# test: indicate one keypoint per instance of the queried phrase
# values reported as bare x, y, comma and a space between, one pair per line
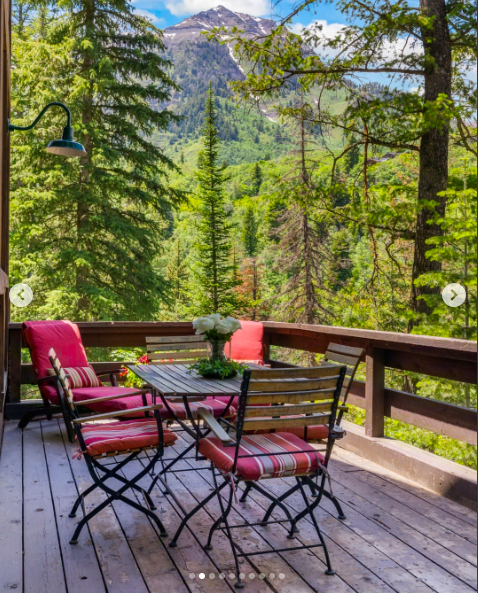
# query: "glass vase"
216, 350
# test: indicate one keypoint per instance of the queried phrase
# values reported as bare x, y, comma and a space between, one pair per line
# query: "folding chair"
183, 350
299, 398
64, 337
114, 439
336, 353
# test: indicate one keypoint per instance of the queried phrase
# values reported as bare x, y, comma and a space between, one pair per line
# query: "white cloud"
327, 31
187, 7
156, 20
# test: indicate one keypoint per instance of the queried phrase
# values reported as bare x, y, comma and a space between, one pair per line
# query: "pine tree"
257, 179
250, 241
99, 219
215, 267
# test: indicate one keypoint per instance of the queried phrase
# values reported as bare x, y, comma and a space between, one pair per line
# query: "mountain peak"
191, 28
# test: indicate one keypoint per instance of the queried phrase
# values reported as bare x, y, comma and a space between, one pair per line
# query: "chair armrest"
44, 379
112, 372
116, 414
107, 398
338, 432
216, 428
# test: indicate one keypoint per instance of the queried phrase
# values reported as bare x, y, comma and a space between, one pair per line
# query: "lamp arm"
11, 127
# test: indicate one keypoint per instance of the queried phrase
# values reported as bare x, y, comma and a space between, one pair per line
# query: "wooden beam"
15, 374
374, 393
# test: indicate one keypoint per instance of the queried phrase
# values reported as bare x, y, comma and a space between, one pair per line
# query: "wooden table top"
177, 380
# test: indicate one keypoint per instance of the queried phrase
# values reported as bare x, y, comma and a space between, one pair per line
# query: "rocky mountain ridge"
191, 29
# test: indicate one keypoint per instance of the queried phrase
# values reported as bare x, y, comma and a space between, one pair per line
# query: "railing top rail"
433, 345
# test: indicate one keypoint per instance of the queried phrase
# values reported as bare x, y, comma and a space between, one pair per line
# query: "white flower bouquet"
218, 331
216, 328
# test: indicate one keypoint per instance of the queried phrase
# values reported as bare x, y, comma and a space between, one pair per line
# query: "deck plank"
387, 536
82, 570
417, 527
444, 505
398, 537
371, 474
43, 565
11, 510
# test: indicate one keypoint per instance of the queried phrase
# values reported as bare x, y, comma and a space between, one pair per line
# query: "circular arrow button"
454, 295
21, 295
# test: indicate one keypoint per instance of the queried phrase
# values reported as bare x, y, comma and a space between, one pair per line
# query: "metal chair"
112, 440
299, 398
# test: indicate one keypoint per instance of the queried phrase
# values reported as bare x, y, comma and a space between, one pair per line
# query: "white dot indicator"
202, 575
282, 576
212, 576
192, 575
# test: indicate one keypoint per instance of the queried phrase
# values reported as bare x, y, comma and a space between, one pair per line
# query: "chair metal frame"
99, 472
232, 480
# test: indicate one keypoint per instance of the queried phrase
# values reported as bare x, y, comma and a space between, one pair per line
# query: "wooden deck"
397, 536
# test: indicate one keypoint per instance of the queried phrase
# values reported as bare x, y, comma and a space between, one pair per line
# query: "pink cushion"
296, 456
123, 436
64, 337
247, 344
113, 405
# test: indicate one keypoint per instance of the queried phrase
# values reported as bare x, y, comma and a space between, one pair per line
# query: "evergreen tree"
98, 219
215, 266
257, 179
250, 239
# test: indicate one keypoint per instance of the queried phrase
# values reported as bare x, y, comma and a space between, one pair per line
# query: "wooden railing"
436, 357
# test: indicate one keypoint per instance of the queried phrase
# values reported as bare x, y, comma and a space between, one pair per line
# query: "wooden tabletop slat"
177, 380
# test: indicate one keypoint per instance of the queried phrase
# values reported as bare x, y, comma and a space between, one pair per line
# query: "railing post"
375, 393
15, 364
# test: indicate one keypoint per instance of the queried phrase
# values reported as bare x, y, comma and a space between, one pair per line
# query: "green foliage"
250, 239
220, 369
85, 232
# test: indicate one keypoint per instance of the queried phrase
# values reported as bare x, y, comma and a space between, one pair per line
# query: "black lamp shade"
66, 148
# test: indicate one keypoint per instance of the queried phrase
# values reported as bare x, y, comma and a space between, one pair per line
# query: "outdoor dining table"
176, 383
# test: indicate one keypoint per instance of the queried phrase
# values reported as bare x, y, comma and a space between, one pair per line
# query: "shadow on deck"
397, 537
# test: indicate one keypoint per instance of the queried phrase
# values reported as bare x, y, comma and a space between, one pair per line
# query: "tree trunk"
433, 176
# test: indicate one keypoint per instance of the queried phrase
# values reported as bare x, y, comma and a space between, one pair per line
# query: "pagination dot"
202, 575
282, 575
212, 576
192, 575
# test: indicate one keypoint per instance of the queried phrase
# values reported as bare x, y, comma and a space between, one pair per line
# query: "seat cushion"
117, 437
64, 337
295, 456
214, 407
114, 405
224, 399
247, 344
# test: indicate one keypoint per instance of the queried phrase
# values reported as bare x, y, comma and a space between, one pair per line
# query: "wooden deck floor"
397, 536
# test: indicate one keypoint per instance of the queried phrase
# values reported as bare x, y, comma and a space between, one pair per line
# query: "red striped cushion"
82, 377
296, 456
123, 436
213, 406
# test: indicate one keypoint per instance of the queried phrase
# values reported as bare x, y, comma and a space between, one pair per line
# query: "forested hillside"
338, 209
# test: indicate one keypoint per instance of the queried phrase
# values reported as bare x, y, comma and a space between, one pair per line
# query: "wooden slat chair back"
298, 397
113, 439
175, 350
350, 356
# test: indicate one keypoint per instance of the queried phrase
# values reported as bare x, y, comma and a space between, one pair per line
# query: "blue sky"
165, 13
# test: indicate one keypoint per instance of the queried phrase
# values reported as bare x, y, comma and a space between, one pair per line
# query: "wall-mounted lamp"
64, 147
